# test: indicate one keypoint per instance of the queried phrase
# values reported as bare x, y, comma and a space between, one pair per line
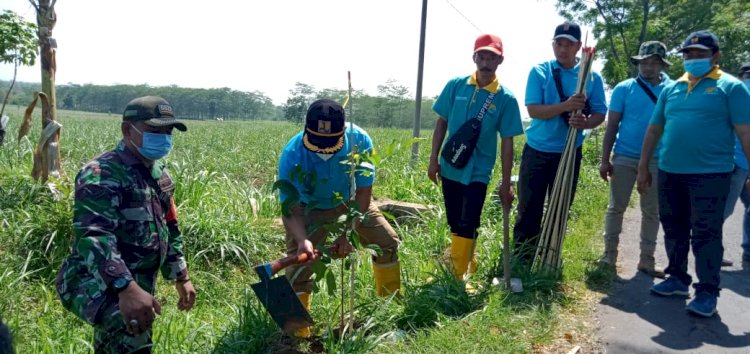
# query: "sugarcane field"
564, 177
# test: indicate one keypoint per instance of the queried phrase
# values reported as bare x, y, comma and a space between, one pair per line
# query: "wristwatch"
121, 283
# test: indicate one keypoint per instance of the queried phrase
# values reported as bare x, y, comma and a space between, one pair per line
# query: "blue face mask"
747, 82
155, 146
697, 67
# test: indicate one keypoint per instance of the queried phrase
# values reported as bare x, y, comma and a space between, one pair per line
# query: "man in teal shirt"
630, 109
695, 119
315, 163
465, 188
550, 111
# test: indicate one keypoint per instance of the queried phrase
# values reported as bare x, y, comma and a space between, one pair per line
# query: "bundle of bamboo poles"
548, 253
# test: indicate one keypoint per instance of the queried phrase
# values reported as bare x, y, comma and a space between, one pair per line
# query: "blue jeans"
737, 190
535, 181
691, 210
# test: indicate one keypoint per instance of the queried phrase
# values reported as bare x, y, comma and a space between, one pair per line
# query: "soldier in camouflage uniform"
125, 226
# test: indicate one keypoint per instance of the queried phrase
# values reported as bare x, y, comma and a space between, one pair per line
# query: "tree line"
393, 106
620, 26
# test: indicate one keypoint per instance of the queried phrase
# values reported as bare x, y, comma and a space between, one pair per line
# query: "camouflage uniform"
125, 223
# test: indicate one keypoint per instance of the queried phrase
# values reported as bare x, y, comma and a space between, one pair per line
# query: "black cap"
568, 30
153, 111
745, 68
702, 40
324, 127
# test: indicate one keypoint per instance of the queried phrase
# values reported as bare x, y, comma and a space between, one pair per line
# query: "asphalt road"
631, 320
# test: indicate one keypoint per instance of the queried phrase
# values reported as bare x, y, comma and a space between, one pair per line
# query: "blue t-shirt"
461, 100
739, 155
699, 123
325, 184
549, 135
636, 107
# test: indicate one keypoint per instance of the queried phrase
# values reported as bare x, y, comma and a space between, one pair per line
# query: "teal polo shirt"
629, 99
549, 135
699, 122
325, 184
461, 100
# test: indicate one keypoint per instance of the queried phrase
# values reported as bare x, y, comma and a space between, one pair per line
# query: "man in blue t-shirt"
738, 187
315, 162
550, 109
464, 188
695, 120
630, 109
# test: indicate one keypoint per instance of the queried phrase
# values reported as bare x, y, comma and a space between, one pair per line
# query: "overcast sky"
267, 46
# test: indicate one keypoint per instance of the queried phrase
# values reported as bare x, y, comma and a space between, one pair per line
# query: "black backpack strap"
558, 84
646, 89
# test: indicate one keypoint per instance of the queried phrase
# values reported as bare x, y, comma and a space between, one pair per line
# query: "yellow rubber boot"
461, 253
473, 263
387, 278
304, 298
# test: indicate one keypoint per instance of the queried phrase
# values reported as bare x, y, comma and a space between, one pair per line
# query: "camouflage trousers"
373, 230
102, 311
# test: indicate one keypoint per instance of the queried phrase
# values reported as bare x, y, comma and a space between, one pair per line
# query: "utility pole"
420, 70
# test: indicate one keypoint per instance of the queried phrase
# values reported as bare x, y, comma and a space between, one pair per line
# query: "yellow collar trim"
493, 86
330, 150
714, 74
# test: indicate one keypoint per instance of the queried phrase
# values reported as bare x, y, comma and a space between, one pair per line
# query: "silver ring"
133, 322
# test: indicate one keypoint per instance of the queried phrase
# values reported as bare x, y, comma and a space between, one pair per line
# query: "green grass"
224, 172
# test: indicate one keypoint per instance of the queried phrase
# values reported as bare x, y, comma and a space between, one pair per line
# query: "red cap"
489, 42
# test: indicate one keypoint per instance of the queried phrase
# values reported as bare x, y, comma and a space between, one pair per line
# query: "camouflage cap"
649, 49
153, 111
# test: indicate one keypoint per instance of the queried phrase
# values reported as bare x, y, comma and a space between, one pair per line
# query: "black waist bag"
461, 144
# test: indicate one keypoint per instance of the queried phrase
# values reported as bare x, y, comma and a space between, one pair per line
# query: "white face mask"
325, 157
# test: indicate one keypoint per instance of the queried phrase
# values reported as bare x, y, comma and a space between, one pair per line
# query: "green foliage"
225, 172
252, 333
620, 26
18, 44
300, 97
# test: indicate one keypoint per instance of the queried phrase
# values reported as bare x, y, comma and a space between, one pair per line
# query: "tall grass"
224, 172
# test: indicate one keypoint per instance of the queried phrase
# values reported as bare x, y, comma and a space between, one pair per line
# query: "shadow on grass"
599, 277
442, 295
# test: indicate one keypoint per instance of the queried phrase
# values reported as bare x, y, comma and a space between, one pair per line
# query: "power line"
464, 16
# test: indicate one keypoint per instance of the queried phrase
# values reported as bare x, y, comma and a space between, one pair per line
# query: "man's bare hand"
187, 295
643, 180
306, 247
578, 121
433, 171
575, 102
506, 195
605, 170
341, 247
137, 304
